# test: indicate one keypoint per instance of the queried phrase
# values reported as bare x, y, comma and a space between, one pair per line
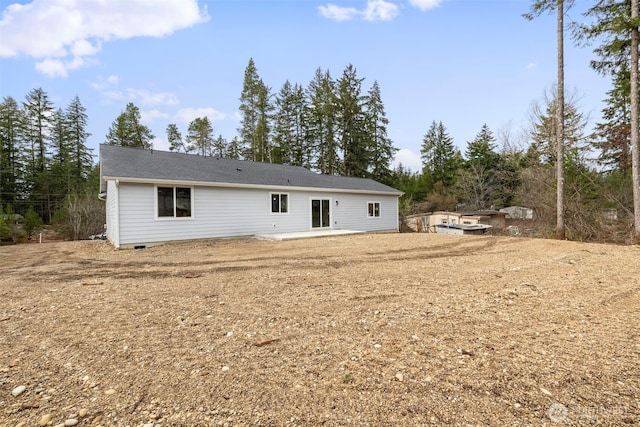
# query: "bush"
32, 222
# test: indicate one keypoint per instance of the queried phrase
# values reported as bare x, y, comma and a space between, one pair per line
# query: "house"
156, 196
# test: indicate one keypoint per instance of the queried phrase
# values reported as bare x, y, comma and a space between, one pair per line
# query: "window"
174, 202
374, 209
279, 203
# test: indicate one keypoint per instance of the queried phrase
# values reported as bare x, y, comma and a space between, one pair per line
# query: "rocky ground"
362, 330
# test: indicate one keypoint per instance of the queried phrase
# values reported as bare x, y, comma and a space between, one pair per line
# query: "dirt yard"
362, 330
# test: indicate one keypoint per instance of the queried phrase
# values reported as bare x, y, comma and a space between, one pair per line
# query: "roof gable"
136, 164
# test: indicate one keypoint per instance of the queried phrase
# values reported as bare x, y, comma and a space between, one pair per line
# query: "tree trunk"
560, 234
635, 134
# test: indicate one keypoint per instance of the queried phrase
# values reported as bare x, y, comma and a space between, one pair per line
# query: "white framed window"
174, 202
279, 203
373, 209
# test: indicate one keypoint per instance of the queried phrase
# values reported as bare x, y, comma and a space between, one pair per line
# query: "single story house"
157, 196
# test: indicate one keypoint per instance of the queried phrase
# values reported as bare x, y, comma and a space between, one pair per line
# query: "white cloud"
145, 97
425, 4
531, 65
408, 159
338, 13
59, 68
380, 10
148, 116
103, 84
187, 115
375, 10
63, 33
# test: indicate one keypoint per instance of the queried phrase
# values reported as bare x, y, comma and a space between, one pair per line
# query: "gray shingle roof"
153, 165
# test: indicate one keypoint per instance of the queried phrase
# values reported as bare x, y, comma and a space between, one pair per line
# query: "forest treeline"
339, 126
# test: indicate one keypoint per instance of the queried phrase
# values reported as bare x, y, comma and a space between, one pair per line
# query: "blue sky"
462, 62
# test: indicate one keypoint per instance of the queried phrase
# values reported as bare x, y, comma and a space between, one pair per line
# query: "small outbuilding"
157, 196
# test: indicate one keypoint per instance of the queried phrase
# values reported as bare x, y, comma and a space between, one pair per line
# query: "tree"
38, 120
321, 122
635, 118
220, 147
382, 149
538, 7
234, 149
32, 222
79, 156
127, 131
289, 129
255, 107
11, 152
351, 126
200, 136
440, 158
615, 26
477, 181
612, 137
175, 139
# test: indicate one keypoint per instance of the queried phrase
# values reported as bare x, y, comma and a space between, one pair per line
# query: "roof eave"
247, 186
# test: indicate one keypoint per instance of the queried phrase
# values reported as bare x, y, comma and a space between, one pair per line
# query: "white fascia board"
247, 186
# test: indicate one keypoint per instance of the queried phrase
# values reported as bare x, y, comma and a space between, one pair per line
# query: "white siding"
351, 212
223, 212
113, 226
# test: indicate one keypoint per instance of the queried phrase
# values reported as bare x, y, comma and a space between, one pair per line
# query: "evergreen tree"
32, 222
59, 181
38, 114
440, 159
477, 180
200, 136
615, 26
80, 156
127, 131
543, 132
175, 139
382, 149
321, 123
290, 126
351, 126
262, 139
234, 149
11, 152
249, 100
612, 137
220, 147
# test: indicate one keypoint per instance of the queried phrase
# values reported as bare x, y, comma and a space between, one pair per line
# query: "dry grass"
387, 329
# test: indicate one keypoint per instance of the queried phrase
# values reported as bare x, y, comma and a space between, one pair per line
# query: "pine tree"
477, 180
249, 100
220, 147
321, 123
615, 26
174, 136
612, 137
80, 156
440, 159
200, 136
38, 115
127, 131
382, 149
351, 124
11, 152
290, 126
